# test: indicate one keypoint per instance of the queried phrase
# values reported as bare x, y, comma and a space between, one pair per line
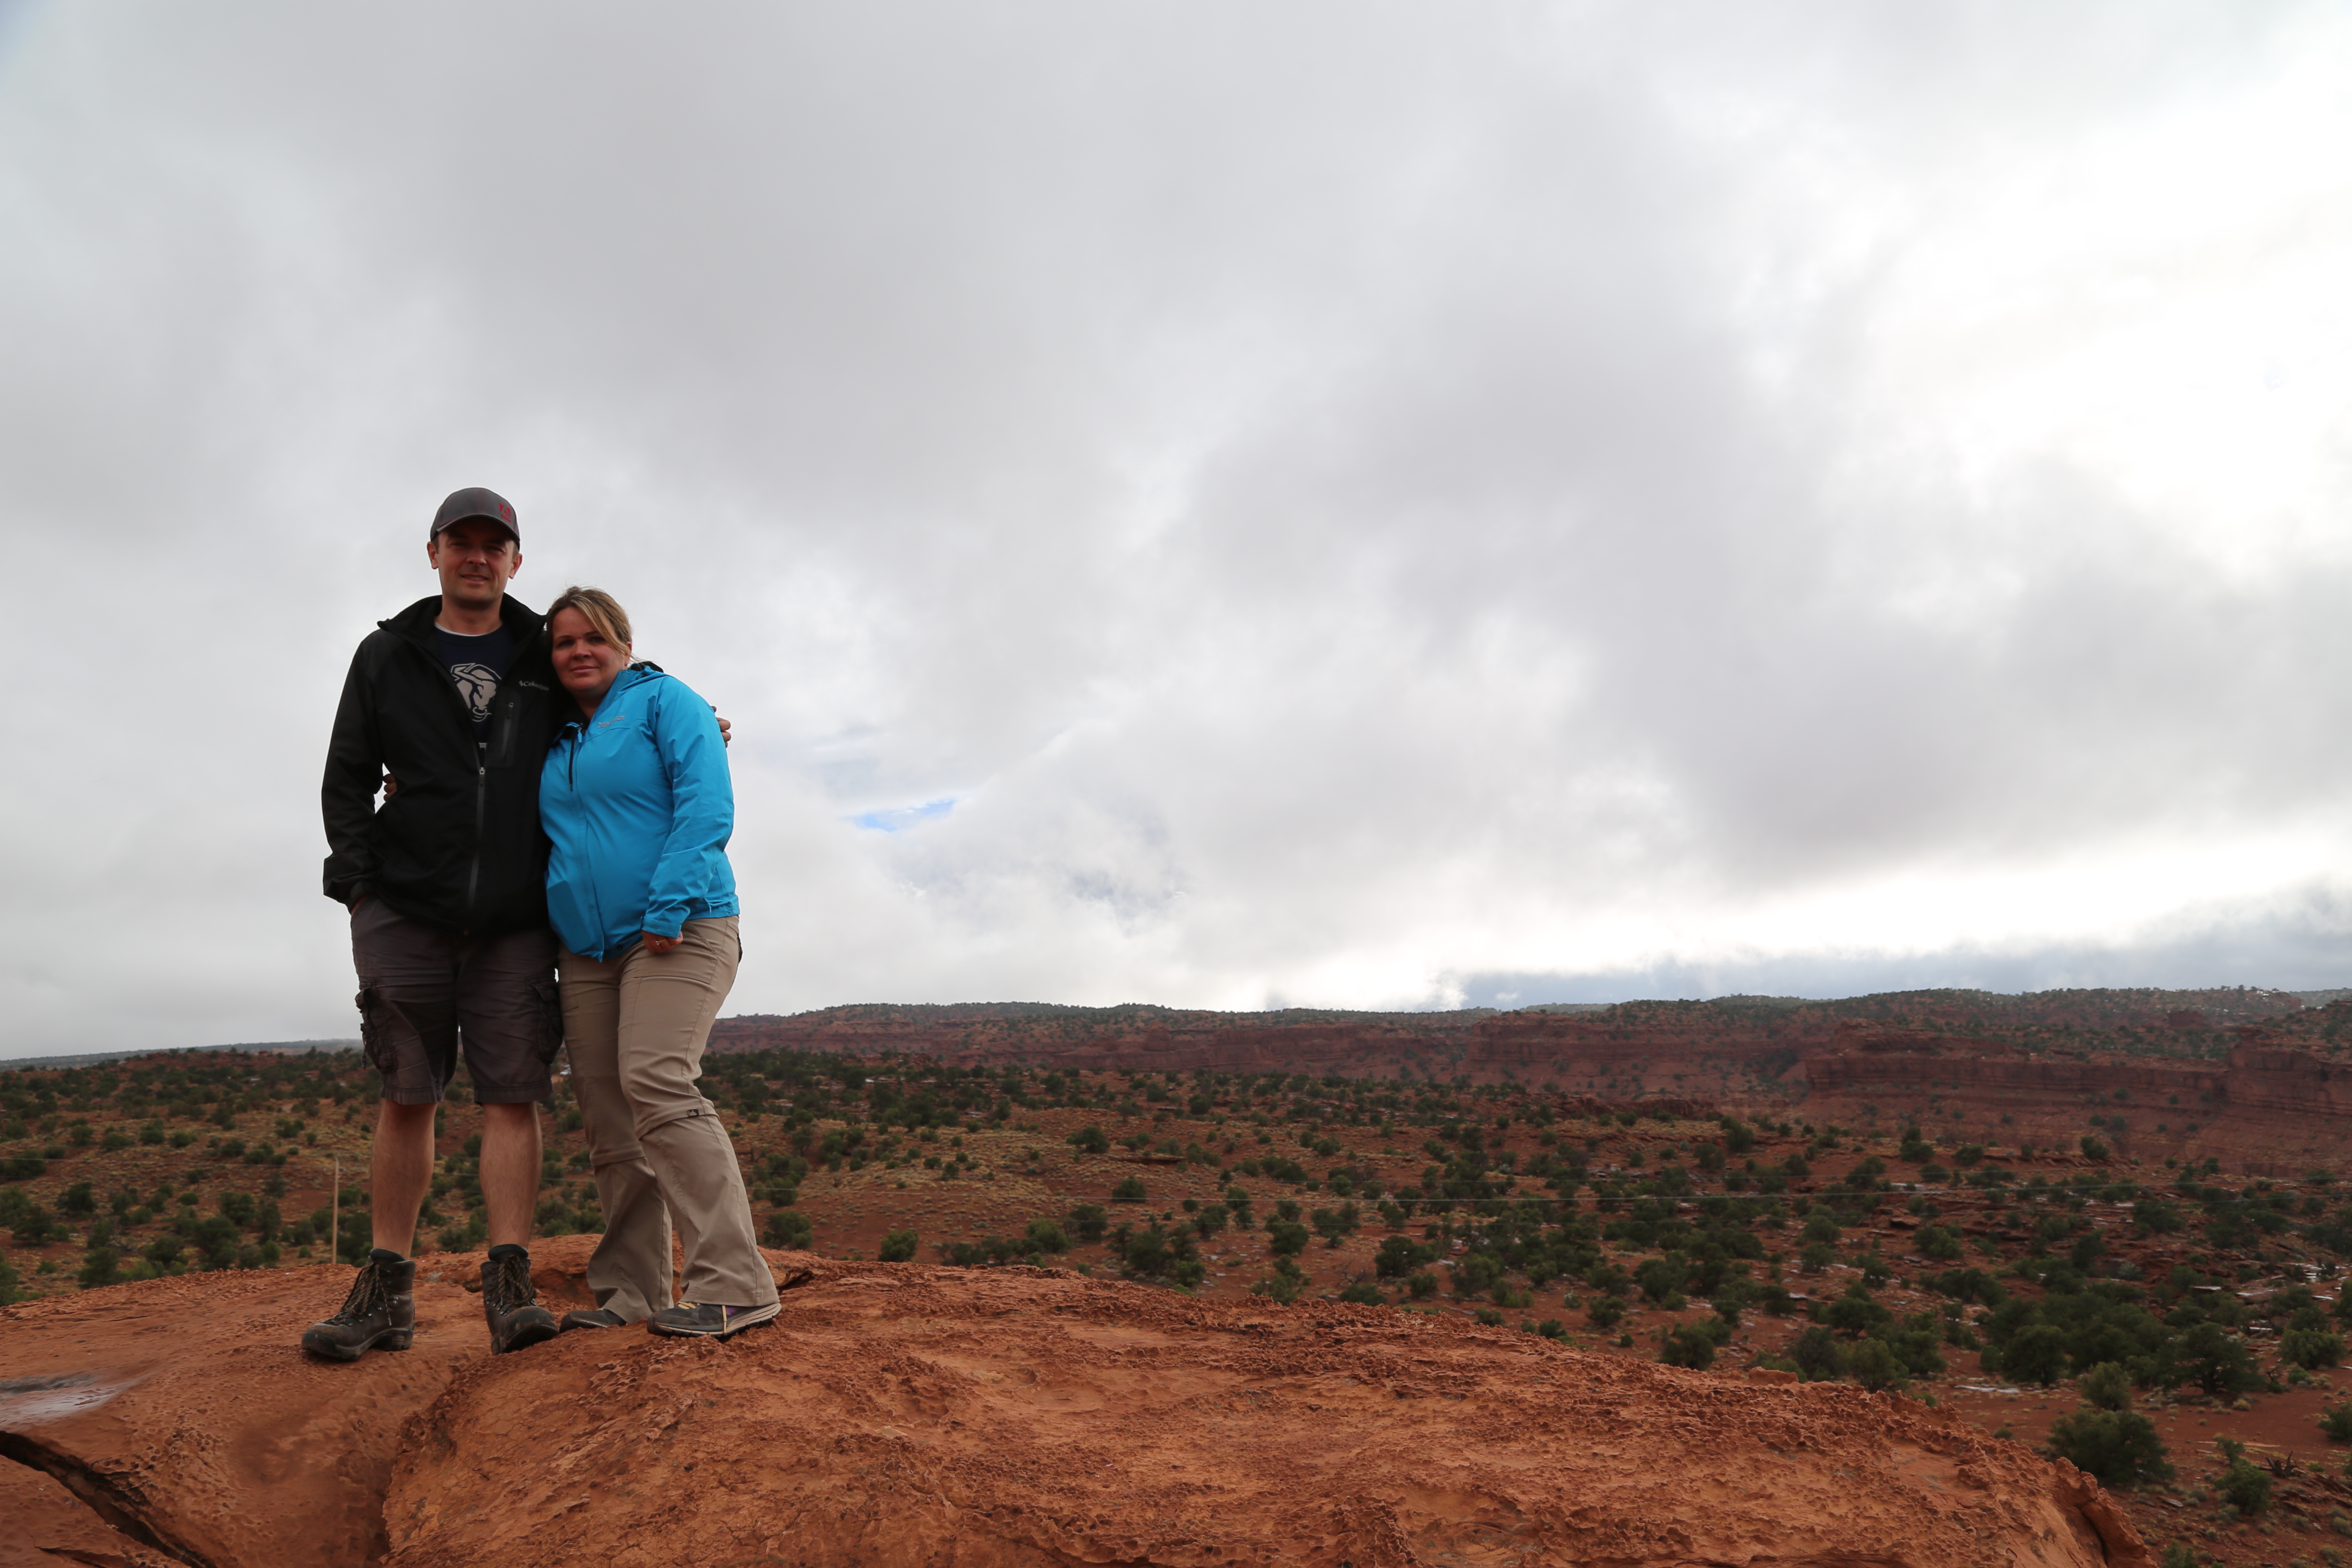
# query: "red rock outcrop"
906, 1414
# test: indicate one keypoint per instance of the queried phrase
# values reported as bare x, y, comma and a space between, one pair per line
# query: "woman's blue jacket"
637, 808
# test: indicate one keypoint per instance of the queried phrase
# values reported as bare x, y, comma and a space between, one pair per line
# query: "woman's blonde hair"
604, 612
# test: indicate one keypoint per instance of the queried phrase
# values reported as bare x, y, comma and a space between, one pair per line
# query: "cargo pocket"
549, 994
373, 1043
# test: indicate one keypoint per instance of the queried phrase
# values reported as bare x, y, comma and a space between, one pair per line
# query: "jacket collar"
636, 675
415, 624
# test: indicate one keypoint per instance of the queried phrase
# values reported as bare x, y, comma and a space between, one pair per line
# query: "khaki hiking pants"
635, 1026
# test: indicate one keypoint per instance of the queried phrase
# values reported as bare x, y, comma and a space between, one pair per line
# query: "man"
454, 700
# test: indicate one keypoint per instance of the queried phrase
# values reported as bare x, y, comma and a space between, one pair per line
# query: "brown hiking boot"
379, 1314
508, 1301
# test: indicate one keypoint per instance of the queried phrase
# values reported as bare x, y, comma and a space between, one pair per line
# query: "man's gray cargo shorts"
424, 993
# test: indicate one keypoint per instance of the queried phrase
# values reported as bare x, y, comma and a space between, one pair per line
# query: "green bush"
1939, 1243
1044, 1236
2336, 1422
1129, 1191
1087, 1223
2311, 1349
898, 1247
1090, 1140
1286, 1237
790, 1228
2243, 1486
2036, 1353
1689, 1345
1605, 1311
2107, 1386
1875, 1365
1363, 1292
1818, 1355
2120, 1447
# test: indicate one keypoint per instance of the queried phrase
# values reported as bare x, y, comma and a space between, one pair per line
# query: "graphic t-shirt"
477, 664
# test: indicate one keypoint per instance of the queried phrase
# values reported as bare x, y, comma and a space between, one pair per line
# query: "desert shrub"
1688, 1345
1854, 1313
2216, 1359
1090, 1140
2336, 1422
23, 1168
1129, 1191
1939, 1243
1044, 1236
100, 1266
1874, 1367
1286, 1237
1967, 1285
2107, 1386
1283, 1285
790, 1228
1553, 1329
1211, 1219
78, 1202
2311, 1349
898, 1247
1818, 1356
1364, 1293
1399, 1256
1088, 1222
2243, 1486
1658, 1277
2035, 1353
1816, 1258
1423, 1285
1605, 1311
2120, 1447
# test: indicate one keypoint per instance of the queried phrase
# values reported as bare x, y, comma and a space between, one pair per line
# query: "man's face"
475, 559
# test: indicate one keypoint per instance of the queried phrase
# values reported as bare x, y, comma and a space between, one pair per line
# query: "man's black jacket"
458, 846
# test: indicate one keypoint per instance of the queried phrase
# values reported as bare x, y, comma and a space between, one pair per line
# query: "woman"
638, 807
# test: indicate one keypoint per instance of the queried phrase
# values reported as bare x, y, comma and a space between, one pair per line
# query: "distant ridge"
284, 1047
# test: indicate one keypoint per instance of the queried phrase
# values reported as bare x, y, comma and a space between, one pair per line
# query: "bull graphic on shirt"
478, 685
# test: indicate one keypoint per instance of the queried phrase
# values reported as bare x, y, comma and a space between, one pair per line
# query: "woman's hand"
657, 945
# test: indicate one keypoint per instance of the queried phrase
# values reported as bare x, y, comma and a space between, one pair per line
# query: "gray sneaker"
712, 1322
379, 1314
508, 1301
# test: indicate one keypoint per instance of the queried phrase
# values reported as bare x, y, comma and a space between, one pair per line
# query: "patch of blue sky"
898, 818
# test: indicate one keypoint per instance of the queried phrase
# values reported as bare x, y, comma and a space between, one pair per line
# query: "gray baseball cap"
474, 501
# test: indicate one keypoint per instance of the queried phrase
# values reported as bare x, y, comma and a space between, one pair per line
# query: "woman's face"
585, 662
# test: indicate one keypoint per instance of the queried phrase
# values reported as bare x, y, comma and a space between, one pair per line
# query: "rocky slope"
906, 1414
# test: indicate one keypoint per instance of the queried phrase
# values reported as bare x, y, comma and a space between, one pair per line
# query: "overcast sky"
1227, 505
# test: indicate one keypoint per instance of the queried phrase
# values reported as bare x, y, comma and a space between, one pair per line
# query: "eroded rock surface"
185, 1413
910, 1415
904, 1413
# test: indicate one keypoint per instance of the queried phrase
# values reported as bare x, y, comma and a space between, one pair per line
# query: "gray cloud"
1355, 505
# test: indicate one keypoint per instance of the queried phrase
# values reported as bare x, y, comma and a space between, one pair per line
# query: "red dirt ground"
908, 1414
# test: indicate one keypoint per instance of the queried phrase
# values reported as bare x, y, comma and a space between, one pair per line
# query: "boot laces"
369, 1296
510, 1279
